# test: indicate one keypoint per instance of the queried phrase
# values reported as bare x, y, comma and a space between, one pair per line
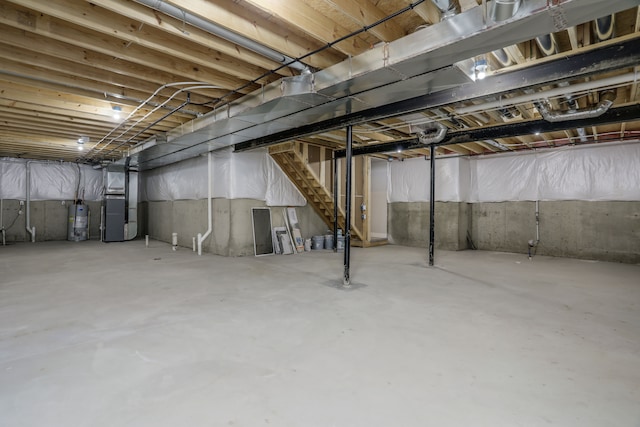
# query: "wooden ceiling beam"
272, 34
364, 13
64, 115
7, 110
459, 149
428, 11
308, 20
34, 128
74, 104
81, 87
100, 78
95, 19
188, 33
121, 70
83, 38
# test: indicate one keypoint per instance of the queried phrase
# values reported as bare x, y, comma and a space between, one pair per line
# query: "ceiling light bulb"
80, 148
480, 69
116, 112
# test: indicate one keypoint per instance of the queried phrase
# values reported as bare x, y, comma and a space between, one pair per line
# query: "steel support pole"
335, 203
432, 200
347, 220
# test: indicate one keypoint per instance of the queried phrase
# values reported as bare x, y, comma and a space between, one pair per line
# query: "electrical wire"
12, 222
220, 101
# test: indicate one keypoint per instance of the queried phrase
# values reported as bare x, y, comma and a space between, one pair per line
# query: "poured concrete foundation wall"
49, 217
607, 231
232, 233
409, 224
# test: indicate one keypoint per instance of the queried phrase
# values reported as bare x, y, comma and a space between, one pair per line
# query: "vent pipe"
604, 27
501, 10
448, 8
606, 100
439, 129
222, 32
547, 44
503, 57
618, 80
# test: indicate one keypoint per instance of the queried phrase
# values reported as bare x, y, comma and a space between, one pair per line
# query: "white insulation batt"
594, 172
49, 180
252, 175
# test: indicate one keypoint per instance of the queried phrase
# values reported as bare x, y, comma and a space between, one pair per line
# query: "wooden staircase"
293, 165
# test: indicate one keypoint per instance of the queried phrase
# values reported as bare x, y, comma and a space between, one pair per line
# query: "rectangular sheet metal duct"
418, 64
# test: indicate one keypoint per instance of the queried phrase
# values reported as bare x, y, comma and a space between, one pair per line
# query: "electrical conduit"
201, 237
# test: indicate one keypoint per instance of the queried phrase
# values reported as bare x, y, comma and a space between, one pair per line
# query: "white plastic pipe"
559, 91
201, 237
30, 230
2, 224
146, 240
174, 241
537, 222
194, 244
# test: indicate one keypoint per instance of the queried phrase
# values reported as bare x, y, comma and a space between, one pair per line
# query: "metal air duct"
503, 57
547, 44
604, 27
448, 8
421, 64
501, 10
432, 137
222, 32
559, 91
606, 100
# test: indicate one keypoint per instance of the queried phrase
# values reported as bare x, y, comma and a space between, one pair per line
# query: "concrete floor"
120, 335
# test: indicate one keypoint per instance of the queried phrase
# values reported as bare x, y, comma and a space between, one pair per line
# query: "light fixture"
480, 68
81, 142
116, 112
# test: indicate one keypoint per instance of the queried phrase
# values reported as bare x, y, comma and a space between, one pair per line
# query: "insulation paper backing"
607, 172
49, 180
252, 175
408, 181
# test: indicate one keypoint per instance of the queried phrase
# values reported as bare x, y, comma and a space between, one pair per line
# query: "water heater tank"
78, 225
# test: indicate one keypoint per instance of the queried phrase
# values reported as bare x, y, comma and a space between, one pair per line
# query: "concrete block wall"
606, 231
50, 217
232, 233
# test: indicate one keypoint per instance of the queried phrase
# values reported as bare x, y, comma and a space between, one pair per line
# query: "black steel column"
335, 203
432, 200
347, 203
